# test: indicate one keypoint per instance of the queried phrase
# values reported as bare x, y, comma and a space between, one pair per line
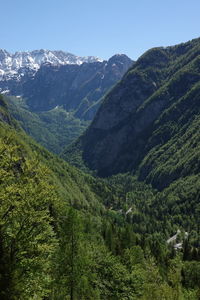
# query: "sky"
97, 27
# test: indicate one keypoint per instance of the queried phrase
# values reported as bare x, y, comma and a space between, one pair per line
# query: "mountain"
54, 129
148, 124
65, 234
48, 79
18, 64
110, 237
56, 100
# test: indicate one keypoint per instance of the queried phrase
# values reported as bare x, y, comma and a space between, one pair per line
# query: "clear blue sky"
97, 27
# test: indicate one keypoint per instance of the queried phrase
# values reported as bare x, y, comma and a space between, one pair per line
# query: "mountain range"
57, 94
128, 226
19, 63
47, 79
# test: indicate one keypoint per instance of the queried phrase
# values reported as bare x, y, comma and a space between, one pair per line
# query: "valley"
100, 176
57, 94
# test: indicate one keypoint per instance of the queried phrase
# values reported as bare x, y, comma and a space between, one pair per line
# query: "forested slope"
65, 234
148, 123
53, 129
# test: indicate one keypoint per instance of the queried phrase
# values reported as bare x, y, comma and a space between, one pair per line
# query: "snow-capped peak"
11, 64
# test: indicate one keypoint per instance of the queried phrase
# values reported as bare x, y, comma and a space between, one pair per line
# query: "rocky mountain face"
18, 63
53, 78
148, 124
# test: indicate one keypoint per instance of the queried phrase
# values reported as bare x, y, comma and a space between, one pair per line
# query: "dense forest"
54, 129
70, 234
65, 234
148, 124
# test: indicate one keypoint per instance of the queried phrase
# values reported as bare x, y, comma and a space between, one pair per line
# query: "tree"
72, 257
174, 276
26, 237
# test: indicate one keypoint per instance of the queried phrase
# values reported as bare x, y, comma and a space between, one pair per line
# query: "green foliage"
27, 238
148, 124
53, 129
191, 274
67, 235
72, 262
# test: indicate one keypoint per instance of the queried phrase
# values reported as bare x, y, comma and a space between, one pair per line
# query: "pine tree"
71, 258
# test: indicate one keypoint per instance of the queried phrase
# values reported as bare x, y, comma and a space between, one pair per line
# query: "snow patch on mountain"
17, 64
